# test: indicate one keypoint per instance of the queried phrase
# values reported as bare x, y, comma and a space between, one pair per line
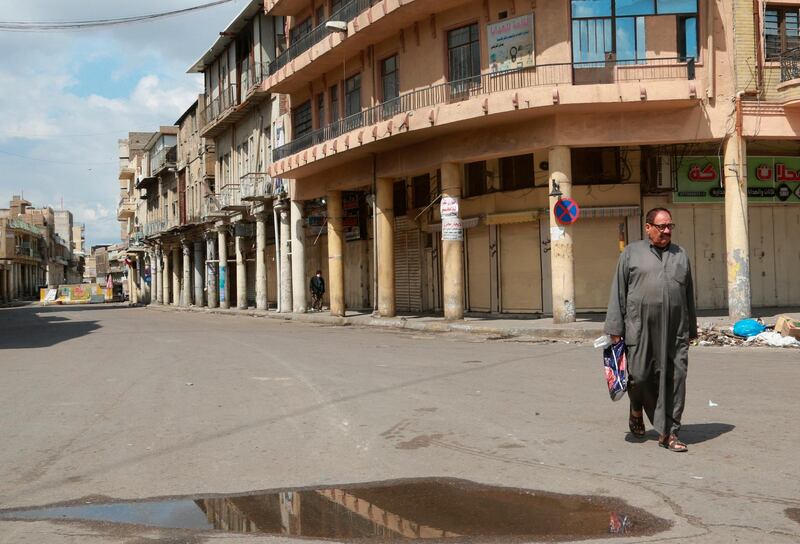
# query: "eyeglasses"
662, 228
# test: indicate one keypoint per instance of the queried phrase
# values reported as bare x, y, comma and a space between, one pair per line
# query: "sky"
69, 96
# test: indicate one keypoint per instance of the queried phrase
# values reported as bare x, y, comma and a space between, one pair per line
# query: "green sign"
769, 179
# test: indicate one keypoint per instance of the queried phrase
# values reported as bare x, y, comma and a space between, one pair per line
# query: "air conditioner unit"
663, 172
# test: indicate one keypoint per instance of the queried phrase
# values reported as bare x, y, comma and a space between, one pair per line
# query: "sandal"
636, 425
672, 443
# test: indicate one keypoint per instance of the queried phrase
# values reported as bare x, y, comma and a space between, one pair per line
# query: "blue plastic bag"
616, 369
748, 327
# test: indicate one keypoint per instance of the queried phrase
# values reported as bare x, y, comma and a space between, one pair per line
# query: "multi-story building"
465, 122
23, 252
79, 240
425, 147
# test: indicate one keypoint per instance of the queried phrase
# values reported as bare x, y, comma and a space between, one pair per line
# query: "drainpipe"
277, 256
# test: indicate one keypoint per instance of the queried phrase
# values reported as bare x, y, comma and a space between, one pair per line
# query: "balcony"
788, 89
234, 101
126, 207
153, 227
256, 186
163, 159
345, 14
550, 80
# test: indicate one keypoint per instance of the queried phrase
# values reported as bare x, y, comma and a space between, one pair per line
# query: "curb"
548, 333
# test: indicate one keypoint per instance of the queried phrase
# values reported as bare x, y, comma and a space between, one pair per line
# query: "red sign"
566, 211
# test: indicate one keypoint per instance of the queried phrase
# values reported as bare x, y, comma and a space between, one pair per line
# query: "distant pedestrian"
652, 308
317, 290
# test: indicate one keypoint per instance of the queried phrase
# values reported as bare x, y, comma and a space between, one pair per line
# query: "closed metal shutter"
251, 283
407, 266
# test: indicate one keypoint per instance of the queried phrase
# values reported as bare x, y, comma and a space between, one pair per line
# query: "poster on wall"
511, 43
452, 229
769, 180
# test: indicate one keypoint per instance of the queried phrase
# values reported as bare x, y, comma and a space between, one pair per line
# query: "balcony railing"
228, 98
154, 227
256, 186
165, 158
230, 197
790, 65
346, 13
585, 73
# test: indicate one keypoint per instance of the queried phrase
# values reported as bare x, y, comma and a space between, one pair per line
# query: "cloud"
68, 97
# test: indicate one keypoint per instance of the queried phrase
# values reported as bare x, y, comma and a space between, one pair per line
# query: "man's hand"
615, 339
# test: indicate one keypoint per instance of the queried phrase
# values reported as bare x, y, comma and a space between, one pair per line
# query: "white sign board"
510, 43
51, 295
448, 206
452, 229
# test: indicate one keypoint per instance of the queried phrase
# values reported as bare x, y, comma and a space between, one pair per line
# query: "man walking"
317, 290
652, 308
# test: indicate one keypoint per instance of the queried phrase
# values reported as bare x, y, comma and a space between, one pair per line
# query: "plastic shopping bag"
616, 368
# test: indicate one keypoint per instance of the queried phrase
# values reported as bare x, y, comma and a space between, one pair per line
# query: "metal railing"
230, 196
214, 108
256, 185
584, 73
346, 13
154, 227
790, 65
165, 158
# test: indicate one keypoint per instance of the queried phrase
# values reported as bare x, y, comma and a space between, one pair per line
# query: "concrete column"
736, 238
298, 249
261, 261
335, 253
224, 288
3, 292
241, 273
166, 275
286, 257
176, 276
199, 264
17, 280
452, 250
134, 293
156, 273
561, 257
212, 284
384, 211
186, 291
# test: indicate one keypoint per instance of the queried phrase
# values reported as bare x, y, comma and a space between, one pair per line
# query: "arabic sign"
448, 206
510, 43
452, 229
769, 179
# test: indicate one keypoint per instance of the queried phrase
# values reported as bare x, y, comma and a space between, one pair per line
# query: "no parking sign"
566, 211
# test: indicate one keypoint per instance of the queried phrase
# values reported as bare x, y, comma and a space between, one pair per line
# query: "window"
301, 119
389, 81
336, 5
780, 31
320, 110
475, 178
399, 199
352, 95
300, 30
614, 30
595, 165
516, 172
334, 92
320, 14
421, 190
463, 52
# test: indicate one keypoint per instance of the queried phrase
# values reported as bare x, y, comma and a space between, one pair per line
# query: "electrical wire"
44, 26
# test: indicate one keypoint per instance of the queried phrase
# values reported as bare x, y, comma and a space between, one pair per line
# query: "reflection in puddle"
403, 509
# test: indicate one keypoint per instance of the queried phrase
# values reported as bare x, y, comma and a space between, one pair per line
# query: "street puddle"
793, 514
400, 509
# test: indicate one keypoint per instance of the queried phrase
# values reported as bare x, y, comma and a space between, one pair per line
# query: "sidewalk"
586, 327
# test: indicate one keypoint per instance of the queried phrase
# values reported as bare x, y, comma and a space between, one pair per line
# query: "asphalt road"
133, 403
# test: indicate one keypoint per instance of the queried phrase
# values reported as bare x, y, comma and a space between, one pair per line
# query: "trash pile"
749, 332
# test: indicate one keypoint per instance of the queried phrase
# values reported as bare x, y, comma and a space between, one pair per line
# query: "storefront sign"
449, 206
769, 179
510, 43
452, 229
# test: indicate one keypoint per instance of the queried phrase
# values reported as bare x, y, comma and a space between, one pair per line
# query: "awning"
513, 217
467, 222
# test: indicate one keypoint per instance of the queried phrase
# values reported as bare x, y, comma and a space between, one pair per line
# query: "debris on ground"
723, 336
774, 339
